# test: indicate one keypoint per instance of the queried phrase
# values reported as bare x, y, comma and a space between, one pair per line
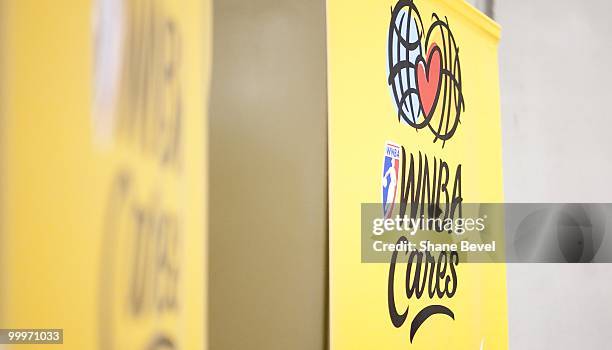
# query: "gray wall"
554, 68
486, 6
268, 176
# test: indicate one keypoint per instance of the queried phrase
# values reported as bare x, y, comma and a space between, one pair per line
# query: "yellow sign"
414, 124
102, 192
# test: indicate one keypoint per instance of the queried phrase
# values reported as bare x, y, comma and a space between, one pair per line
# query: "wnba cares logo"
424, 72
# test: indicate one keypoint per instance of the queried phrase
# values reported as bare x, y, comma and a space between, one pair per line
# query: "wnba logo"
424, 72
390, 177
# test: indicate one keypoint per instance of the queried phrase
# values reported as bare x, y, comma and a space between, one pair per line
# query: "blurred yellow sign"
102, 196
414, 124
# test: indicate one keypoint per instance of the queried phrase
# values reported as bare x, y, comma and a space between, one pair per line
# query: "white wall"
555, 71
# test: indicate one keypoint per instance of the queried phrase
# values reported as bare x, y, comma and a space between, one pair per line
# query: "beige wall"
268, 189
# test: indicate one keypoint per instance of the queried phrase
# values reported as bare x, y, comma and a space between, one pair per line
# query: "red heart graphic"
428, 79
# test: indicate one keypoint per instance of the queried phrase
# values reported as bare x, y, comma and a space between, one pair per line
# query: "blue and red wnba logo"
390, 177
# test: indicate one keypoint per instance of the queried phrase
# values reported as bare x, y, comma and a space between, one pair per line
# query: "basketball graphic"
404, 47
424, 72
